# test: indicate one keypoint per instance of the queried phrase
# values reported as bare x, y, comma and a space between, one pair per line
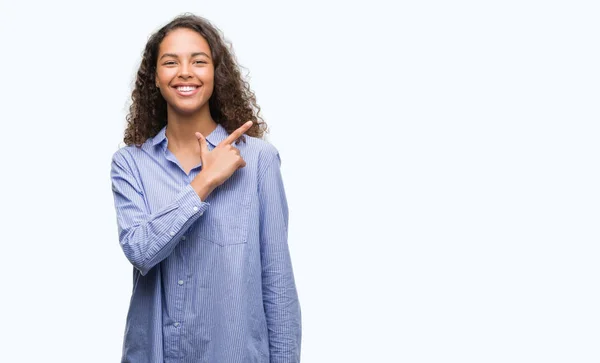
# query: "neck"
181, 128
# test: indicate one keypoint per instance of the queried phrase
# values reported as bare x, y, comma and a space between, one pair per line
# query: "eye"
169, 63
200, 62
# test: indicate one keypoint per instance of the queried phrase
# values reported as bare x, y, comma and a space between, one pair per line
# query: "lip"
186, 94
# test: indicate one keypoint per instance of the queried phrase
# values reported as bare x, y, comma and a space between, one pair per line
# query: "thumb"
203, 145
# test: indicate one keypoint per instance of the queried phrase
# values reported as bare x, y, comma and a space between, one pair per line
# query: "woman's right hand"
220, 163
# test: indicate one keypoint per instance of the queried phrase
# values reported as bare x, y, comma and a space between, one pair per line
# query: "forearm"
282, 309
148, 239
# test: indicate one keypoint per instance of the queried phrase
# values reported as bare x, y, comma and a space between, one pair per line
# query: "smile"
187, 90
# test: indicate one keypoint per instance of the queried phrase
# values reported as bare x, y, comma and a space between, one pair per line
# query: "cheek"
164, 76
206, 75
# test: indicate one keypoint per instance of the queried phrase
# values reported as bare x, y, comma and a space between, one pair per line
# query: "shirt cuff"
190, 203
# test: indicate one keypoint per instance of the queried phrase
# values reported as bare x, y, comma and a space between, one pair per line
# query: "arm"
149, 238
280, 298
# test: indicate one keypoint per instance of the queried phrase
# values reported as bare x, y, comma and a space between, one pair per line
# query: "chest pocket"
226, 221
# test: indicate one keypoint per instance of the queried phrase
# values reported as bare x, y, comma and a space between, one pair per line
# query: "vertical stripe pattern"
212, 279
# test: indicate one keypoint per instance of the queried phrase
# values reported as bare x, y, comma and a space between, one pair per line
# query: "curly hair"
231, 104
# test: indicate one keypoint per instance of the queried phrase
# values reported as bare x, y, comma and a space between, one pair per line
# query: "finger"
237, 133
203, 144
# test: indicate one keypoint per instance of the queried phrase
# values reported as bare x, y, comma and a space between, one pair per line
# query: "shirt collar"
214, 138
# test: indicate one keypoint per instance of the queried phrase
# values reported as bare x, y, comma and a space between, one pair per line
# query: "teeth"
186, 88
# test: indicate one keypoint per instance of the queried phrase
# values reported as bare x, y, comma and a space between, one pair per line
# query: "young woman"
201, 211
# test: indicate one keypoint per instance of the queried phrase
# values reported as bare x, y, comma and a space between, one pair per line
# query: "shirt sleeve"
280, 297
148, 238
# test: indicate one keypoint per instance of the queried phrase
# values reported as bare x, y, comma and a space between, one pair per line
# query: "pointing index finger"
237, 133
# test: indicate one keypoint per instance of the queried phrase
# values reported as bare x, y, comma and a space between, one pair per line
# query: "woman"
201, 211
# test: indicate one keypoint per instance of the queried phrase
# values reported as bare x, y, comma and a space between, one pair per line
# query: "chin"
186, 110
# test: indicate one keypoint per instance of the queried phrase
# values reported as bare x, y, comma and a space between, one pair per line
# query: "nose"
184, 70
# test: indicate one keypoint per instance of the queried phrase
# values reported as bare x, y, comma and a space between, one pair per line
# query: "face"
185, 71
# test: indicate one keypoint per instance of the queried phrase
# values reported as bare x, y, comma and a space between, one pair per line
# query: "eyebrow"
176, 56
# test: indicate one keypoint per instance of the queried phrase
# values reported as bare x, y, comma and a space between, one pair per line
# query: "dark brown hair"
231, 104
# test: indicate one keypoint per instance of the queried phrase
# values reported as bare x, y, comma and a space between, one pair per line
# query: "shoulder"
262, 150
125, 156
261, 153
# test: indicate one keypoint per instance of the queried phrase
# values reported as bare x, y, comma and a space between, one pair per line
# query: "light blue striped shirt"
212, 280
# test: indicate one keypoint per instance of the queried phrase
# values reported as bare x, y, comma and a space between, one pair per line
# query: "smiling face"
185, 71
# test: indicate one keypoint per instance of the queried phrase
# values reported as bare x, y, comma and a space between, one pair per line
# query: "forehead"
183, 41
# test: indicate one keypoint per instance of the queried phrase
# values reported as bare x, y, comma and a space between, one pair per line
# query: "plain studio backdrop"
440, 161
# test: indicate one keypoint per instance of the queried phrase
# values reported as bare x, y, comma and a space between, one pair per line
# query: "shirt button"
183, 237
201, 213
180, 282
195, 209
172, 233
176, 324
